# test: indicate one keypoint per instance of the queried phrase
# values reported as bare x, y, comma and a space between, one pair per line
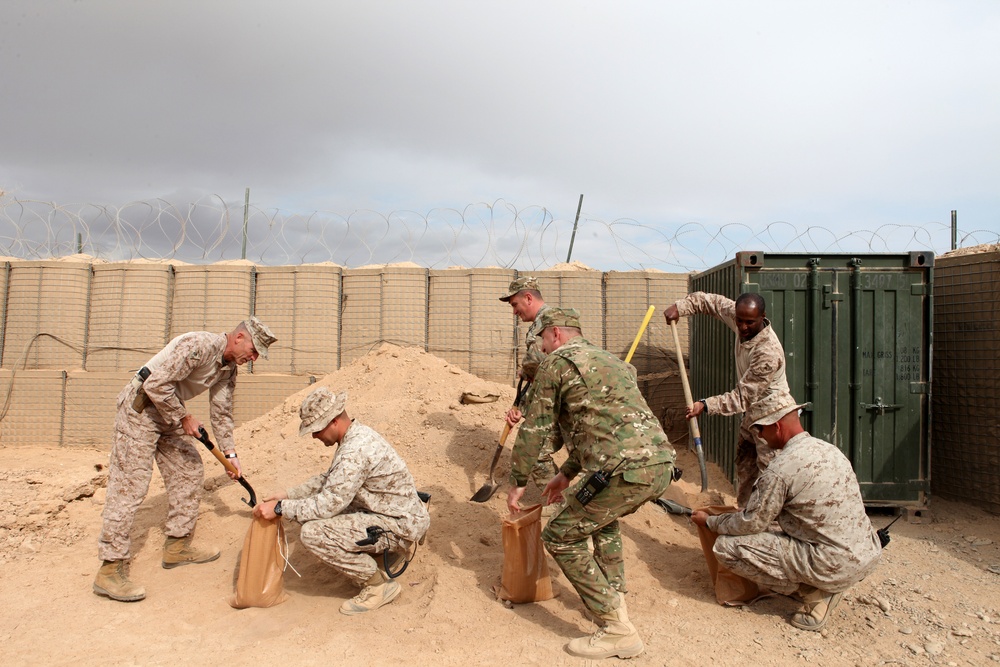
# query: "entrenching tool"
203, 437
692, 423
673, 508
487, 490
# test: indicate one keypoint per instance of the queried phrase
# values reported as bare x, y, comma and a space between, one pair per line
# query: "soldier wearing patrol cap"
526, 301
153, 424
367, 487
618, 458
826, 543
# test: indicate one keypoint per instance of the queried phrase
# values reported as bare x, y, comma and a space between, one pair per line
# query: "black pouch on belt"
141, 401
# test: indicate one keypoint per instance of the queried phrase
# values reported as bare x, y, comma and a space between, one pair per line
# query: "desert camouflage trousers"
600, 577
752, 457
334, 541
768, 559
139, 440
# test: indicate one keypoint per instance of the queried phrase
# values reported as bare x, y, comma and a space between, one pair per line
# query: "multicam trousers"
139, 440
599, 577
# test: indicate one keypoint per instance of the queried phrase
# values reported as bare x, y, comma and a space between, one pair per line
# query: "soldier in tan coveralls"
367, 484
525, 300
826, 543
153, 424
760, 365
587, 399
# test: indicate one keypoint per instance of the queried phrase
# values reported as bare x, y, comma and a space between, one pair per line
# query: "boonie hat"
772, 408
559, 317
319, 409
260, 334
519, 285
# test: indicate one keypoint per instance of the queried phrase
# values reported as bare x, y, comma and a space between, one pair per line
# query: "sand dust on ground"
933, 600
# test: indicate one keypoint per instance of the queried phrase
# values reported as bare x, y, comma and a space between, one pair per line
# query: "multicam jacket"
587, 398
760, 362
366, 475
811, 490
185, 368
533, 354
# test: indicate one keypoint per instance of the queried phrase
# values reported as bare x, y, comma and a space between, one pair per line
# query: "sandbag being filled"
730, 588
525, 575
260, 582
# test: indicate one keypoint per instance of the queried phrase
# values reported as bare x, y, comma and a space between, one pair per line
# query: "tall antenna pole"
246, 217
575, 223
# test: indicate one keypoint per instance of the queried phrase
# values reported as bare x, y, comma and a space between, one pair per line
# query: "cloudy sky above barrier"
832, 114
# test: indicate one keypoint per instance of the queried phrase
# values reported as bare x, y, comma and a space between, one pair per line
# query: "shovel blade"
673, 508
485, 492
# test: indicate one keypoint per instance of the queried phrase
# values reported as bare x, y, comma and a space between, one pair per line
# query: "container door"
889, 382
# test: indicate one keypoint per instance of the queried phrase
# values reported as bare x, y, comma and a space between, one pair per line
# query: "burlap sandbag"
525, 573
730, 588
260, 581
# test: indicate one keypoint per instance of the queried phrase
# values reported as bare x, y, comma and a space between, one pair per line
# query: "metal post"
246, 216
575, 222
954, 230
79, 243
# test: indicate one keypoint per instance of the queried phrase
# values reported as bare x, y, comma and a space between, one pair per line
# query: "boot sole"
170, 566
624, 653
120, 598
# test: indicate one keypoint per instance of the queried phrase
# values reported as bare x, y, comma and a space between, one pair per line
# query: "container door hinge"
920, 388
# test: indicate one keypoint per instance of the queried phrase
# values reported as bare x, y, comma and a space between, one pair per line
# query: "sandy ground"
933, 600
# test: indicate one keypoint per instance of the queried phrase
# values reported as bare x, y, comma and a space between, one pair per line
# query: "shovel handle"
692, 423
203, 438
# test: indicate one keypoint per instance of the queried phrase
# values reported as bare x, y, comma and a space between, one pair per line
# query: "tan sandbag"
730, 588
260, 582
525, 573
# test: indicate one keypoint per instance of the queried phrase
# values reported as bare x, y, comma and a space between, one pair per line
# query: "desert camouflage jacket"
587, 399
189, 365
811, 490
760, 362
366, 475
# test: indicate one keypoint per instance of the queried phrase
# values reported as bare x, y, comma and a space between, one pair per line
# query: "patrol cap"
320, 408
559, 317
519, 285
260, 334
772, 408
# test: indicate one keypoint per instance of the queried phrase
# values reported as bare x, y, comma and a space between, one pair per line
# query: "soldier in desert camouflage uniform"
760, 366
588, 400
153, 424
826, 543
367, 484
525, 300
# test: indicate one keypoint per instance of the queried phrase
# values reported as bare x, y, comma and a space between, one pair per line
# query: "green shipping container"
856, 330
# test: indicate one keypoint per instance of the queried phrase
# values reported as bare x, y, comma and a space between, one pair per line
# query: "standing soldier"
587, 398
760, 366
525, 300
153, 424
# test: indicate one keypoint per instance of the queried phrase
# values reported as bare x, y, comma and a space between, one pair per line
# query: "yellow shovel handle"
638, 336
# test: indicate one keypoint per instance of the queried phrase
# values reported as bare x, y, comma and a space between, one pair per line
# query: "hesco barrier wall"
72, 333
966, 396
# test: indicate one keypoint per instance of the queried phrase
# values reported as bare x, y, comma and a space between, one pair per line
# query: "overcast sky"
833, 114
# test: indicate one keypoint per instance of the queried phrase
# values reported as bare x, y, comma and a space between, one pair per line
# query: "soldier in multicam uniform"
586, 398
760, 365
826, 543
366, 485
525, 300
153, 424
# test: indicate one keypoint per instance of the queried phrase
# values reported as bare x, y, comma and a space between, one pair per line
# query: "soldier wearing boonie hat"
366, 488
526, 301
153, 424
560, 317
826, 543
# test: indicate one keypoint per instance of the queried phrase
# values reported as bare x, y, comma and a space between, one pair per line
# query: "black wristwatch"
705, 403
277, 508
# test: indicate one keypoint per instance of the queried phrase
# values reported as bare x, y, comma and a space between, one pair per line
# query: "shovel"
673, 508
692, 423
203, 437
487, 490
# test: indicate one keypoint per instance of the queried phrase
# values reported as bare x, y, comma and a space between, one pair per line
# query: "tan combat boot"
618, 637
817, 605
112, 581
377, 592
178, 551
